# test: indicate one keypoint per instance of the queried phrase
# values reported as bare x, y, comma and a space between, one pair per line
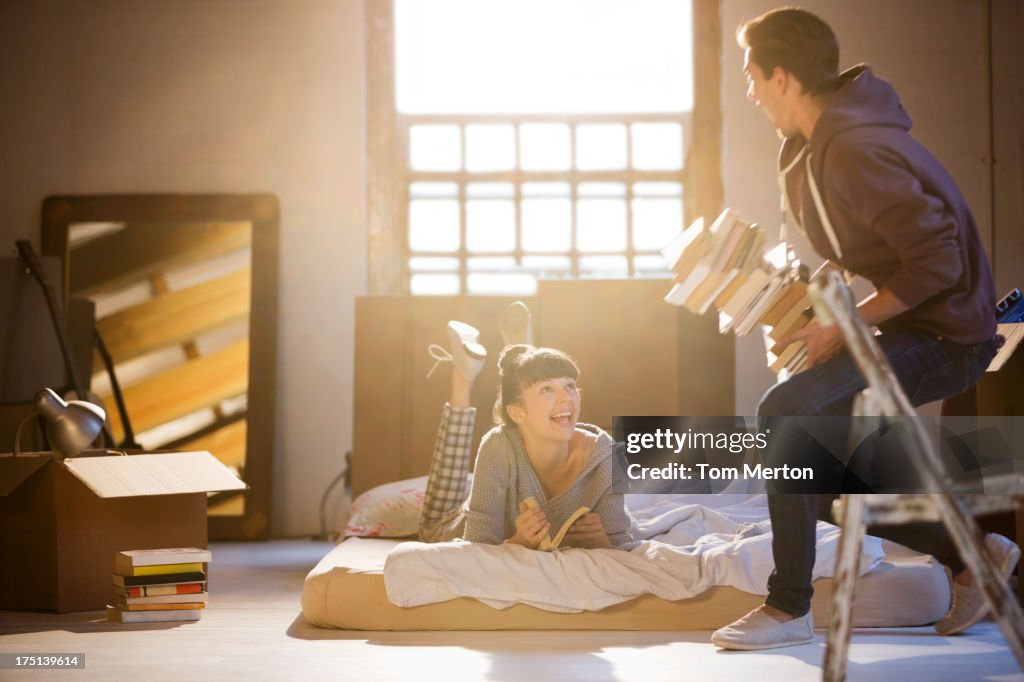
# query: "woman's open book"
550, 544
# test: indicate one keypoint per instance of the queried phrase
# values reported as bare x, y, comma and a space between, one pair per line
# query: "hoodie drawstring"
784, 204
822, 213
819, 205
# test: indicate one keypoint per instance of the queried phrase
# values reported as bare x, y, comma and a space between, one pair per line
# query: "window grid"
517, 176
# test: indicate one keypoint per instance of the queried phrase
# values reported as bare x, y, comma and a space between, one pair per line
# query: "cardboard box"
63, 522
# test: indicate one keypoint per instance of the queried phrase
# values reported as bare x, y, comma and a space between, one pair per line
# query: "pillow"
391, 510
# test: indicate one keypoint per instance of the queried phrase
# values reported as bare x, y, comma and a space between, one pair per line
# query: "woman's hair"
522, 366
799, 42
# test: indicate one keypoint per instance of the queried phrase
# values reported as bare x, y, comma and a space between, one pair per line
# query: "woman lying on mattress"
538, 450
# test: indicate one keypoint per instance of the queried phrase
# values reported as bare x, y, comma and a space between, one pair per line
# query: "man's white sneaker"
968, 605
758, 630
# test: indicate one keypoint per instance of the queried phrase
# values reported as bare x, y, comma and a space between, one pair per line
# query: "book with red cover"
201, 597
161, 590
178, 606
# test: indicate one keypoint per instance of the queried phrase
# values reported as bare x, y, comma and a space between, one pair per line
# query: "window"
533, 139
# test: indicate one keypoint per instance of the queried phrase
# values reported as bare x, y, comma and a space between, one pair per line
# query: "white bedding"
687, 548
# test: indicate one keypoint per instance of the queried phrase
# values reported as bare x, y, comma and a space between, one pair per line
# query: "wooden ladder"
834, 304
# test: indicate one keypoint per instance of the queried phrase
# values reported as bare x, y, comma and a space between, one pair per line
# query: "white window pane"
544, 146
547, 224
601, 225
603, 266
543, 56
657, 146
601, 189
600, 146
656, 222
490, 147
427, 285
650, 266
657, 189
427, 264
435, 148
546, 266
491, 264
546, 189
490, 190
418, 190
433, 225
522, 283
490, 225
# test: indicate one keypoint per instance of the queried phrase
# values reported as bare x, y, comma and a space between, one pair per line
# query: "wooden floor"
253, 630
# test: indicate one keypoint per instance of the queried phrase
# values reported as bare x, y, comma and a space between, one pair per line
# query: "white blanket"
687, 548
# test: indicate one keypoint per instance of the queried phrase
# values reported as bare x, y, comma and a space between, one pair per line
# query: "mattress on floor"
346, 590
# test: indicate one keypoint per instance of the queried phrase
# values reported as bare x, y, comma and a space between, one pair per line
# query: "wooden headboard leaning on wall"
637, 356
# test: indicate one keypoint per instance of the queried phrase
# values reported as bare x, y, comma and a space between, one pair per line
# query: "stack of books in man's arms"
725, 267
712, 264
153, 585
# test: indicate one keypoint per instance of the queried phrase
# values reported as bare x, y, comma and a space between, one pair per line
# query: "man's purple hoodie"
893, 213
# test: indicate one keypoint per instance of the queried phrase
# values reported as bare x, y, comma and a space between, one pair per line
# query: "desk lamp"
70, 425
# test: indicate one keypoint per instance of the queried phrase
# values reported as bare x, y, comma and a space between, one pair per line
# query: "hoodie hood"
861, 100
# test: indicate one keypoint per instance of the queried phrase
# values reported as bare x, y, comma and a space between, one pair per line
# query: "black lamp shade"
71, 426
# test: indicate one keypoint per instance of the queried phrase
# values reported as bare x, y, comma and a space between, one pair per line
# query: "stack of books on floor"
153, 585
725, 268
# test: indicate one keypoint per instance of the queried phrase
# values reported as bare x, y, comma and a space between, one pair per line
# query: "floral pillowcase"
391, 510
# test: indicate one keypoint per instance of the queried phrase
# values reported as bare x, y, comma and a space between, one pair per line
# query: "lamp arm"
17, 432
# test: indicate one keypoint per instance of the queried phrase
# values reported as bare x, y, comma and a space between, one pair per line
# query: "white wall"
932, 51
114, 96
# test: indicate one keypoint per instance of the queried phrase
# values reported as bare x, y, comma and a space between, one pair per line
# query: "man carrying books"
875, 202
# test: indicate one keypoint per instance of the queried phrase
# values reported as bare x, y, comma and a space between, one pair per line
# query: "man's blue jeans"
928, 368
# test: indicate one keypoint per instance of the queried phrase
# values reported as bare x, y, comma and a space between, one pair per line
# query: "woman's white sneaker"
466, 352
516, 324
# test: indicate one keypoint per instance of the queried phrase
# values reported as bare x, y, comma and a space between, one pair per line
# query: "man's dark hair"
799, 42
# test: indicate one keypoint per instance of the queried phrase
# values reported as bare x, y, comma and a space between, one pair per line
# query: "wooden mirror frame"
261, 210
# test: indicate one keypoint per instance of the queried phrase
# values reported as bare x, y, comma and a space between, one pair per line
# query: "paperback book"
550, 544
121, 616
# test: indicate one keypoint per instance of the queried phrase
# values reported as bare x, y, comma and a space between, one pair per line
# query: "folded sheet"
687, 548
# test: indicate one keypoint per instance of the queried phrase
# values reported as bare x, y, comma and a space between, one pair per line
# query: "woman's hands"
588, 531
532, 526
